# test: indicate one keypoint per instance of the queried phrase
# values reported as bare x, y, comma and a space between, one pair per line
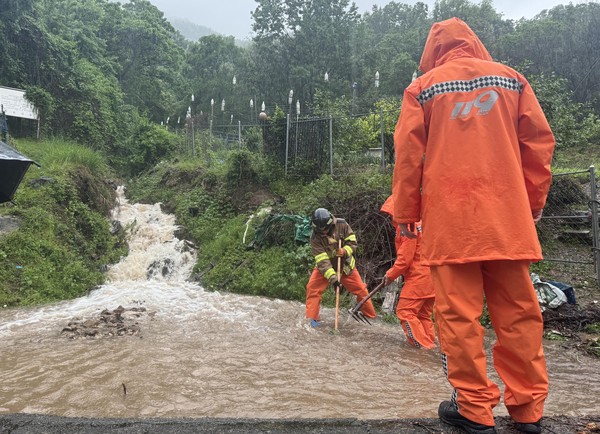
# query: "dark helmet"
322, 219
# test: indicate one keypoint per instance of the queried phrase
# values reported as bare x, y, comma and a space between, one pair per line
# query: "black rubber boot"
449, 414
529, 427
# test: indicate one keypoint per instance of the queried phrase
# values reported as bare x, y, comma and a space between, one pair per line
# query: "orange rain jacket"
473, 137
417, 277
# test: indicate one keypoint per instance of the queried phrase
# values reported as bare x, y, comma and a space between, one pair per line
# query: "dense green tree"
297, 42
575, 125
212, 62
485, 21
12, 17
562, 40
87, 63
400, 18
391, 43
67, 73
150, 60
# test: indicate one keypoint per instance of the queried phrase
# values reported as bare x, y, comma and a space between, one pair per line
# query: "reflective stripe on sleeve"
321, 257
330, 272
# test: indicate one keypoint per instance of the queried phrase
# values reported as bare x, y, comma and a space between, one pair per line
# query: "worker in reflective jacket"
473, 152
415, 305
324, 241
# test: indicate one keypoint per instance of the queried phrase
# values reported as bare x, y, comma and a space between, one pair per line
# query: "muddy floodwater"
210, 354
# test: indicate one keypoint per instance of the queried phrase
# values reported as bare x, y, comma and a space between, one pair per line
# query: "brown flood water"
206, 354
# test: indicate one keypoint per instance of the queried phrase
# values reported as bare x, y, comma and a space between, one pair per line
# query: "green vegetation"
113, 83
63, 240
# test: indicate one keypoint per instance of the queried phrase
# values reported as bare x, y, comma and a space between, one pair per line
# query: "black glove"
337, 285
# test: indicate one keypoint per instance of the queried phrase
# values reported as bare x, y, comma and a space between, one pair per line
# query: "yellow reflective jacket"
324, 248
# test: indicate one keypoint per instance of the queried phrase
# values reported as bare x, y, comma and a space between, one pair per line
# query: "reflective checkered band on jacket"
469, 85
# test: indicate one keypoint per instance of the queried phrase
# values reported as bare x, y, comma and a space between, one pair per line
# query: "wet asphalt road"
43, 424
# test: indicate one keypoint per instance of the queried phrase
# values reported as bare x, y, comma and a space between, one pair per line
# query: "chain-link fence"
569, 229
305, 147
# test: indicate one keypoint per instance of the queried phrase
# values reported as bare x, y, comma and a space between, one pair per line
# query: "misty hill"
189, 30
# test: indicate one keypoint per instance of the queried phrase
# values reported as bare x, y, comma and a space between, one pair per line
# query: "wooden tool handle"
337, 291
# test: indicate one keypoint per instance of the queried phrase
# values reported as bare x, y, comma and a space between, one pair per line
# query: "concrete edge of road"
22, 423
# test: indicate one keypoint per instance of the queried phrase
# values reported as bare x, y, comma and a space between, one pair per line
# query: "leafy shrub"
575, 125
149, 144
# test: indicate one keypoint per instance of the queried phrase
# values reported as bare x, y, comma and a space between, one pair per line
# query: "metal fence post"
331, 145
193, 139
594, 209
382, 138
296, 146
287, 141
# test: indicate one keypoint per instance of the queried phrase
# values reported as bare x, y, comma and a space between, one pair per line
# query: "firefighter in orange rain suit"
473, 152
327, 230
415, 305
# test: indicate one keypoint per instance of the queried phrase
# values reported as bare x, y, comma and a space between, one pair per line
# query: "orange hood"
448, 40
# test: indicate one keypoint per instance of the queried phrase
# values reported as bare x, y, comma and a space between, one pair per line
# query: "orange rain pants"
353, 283
518, 355
415, 317
415, 305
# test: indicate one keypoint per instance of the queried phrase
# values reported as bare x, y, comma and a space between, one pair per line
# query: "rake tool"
355, 311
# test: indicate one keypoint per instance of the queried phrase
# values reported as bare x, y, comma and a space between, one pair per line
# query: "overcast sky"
232, 17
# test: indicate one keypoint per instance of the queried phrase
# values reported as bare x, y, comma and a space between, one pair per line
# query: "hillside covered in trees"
108, 74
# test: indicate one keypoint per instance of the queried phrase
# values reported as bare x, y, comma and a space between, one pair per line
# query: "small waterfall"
154, 251
153, 274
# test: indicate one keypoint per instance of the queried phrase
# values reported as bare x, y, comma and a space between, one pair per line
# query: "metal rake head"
359, 316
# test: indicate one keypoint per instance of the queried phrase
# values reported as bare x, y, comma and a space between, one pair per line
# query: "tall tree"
393, 40
562, 40
212, 62
299, 41
485, 21
13, 15
150, 61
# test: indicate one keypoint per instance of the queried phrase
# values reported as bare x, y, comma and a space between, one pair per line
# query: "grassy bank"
61, 240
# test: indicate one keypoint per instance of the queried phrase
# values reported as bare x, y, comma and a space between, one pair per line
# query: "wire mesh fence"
569, 228
306, 147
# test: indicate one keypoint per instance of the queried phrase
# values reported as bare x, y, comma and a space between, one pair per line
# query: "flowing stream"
210, 354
